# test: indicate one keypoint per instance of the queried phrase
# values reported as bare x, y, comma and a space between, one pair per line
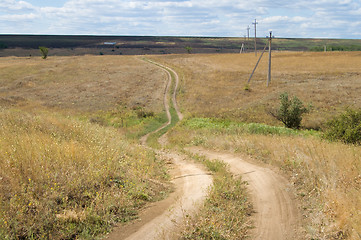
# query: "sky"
215, 18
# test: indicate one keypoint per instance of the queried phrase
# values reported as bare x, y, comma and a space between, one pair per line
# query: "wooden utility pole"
269, 57
255, 36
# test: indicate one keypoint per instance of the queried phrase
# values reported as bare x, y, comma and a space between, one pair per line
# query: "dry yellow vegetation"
51, 148
61, 175
215, 84
327, 175
82, 84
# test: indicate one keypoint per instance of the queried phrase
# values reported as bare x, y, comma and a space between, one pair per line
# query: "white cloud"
14, 5
183, 17
18, 17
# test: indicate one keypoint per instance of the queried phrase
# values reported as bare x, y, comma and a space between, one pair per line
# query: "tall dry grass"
61, 178
326, 175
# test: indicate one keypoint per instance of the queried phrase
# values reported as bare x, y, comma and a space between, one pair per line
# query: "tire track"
162, 220
276, 213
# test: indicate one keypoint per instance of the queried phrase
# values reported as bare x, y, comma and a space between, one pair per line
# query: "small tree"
290, 111
44, 52
189, 49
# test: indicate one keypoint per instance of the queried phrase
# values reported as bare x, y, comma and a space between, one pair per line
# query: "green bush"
44, 52
345, 127
290, 111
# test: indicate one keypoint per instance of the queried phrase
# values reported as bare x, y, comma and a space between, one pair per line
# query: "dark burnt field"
27, 45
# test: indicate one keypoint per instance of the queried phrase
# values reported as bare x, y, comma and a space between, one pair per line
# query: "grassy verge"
152, 140
326, 175
224, 215
62, 178
134, 122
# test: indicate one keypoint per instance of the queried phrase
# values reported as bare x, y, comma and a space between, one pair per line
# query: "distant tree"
44, 52
189, 49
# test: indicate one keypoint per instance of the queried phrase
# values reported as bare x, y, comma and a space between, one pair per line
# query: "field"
222, 115
328, 81
65, 172
70, 127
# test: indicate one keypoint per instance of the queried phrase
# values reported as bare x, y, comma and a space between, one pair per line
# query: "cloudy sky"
222, 18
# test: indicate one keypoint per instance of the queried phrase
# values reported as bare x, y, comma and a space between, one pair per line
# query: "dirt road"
161, 220
276, 216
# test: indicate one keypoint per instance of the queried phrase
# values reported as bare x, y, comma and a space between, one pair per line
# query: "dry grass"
62, 178
65, 178
81, 84
326, 175
213, 85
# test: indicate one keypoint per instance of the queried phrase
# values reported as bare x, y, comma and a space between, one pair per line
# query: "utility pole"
255, 36
248, 28
269, 57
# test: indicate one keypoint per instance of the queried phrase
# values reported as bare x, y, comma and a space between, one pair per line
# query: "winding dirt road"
161, 220
276, 215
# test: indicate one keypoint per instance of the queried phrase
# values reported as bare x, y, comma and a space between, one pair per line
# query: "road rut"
276, 213
161, 220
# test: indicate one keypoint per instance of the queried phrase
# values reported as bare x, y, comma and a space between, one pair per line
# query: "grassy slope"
313, 165
214, 84
65, 171
325, 174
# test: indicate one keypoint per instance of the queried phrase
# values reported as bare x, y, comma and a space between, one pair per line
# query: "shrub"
290, 111
44, 52
189, 49
345, 127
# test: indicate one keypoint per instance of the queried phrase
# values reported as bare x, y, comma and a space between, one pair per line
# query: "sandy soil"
276, 216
